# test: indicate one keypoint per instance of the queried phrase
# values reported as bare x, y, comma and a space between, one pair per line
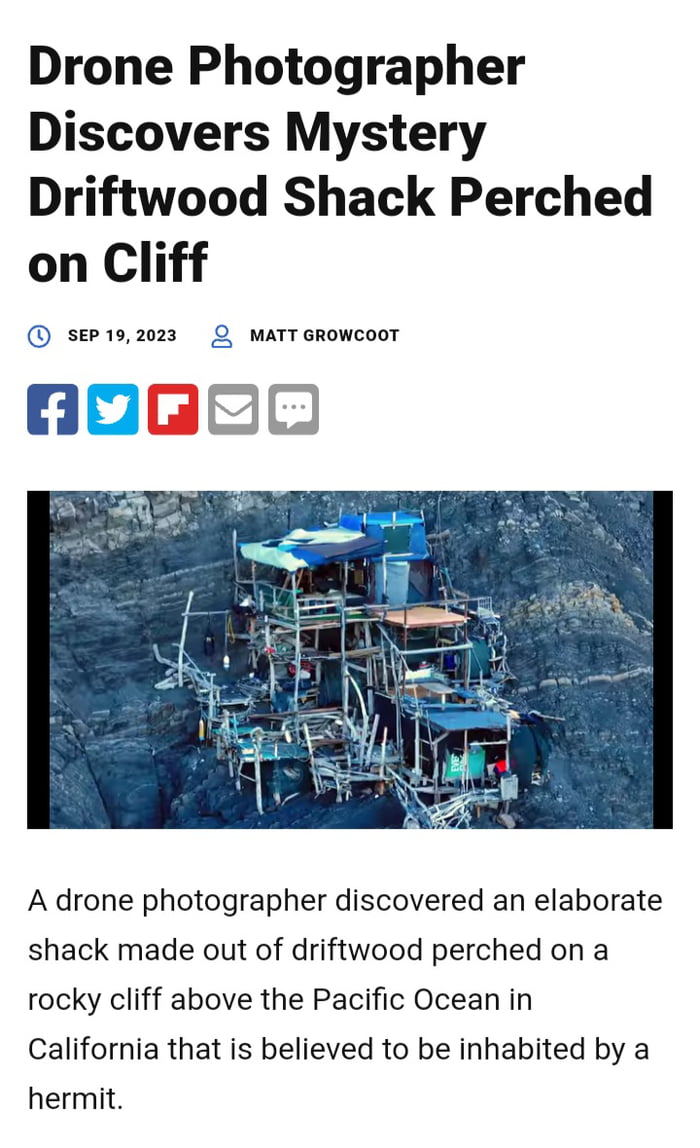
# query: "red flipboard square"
173, 408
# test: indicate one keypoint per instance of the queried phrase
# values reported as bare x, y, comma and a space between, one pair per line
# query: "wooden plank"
181, 650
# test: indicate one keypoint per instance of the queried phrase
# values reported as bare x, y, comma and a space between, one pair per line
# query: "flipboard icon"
173, 408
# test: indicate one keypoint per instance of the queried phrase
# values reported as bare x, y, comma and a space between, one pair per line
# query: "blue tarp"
462, 718
355, 536
381, 518
274, 751
374, 522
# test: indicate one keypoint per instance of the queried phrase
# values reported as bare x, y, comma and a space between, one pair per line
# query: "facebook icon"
52, 409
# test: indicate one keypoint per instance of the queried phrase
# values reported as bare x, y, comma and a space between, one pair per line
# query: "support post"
258, 778
372, 739
268, 643
210, 717
385, 669
416, 748
183, 633
345, 692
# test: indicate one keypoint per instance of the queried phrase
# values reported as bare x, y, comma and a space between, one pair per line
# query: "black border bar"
663, 659
38, 659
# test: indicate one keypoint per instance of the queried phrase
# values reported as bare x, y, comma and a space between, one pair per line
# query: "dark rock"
125, 774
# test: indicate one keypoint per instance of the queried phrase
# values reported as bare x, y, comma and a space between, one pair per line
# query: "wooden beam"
258, 779
183, 633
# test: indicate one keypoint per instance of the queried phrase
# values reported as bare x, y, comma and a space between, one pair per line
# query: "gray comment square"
233, 408
293, 409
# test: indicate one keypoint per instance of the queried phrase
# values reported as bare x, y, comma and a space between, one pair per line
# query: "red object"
501, 766
173, 408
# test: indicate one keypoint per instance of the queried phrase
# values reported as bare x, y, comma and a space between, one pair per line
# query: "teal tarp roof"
462, 718
302, 548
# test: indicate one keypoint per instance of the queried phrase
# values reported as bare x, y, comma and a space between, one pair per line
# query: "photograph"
349, 660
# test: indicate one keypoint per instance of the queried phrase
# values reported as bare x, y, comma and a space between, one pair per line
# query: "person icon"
222, 340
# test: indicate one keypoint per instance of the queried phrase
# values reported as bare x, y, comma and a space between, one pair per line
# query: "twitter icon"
113, 408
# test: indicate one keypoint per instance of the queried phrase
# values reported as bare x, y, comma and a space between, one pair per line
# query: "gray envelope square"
233, 408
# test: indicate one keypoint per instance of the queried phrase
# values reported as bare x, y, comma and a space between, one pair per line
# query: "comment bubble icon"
293, 409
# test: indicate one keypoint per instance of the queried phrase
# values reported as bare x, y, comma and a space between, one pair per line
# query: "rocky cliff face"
571, 572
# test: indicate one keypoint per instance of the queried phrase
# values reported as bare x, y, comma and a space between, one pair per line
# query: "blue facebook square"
113, 408
52, 408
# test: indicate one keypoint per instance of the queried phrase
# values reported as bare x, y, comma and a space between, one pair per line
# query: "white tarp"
280, 553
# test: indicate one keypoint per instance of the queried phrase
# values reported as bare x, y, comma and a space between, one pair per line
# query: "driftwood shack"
365, 668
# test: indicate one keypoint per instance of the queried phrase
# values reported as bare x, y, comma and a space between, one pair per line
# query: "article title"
158, 261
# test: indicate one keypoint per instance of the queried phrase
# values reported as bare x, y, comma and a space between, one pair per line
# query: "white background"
572, 334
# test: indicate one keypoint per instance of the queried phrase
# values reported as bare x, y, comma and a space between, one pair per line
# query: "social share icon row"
172, 409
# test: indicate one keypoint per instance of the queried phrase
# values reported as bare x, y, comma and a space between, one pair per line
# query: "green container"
454, 766
479, 659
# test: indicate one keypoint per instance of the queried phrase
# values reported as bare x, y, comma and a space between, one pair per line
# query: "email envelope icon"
233, 409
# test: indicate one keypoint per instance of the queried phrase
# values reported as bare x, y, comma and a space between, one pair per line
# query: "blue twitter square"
113, 408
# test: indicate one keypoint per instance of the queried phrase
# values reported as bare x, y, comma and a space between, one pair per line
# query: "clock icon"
39, 336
